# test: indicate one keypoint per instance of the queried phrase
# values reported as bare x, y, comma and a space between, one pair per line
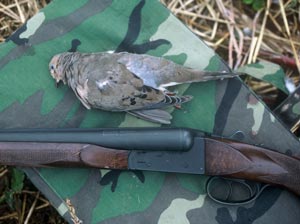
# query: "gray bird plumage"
127, 82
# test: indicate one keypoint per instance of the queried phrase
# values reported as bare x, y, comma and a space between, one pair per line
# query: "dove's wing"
154, 115
160, 73
154, 71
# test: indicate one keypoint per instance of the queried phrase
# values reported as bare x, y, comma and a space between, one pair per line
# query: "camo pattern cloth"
289, 109
29, 99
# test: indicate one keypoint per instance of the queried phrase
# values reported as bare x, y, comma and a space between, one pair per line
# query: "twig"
233, 43
3, 173
285, 4
241, 46
260, 37
254, 38
46, 204
6, 10
31, 208
275, 23
289, 35
22, 17
9, 216
21, 218
201, 16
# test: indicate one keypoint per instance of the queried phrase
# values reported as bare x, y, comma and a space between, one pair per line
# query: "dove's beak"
57, 83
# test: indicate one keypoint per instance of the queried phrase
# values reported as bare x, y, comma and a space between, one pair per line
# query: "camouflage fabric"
289, 110
29, 99
268, 72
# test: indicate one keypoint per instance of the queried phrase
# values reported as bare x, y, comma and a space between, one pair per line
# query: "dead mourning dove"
127, 82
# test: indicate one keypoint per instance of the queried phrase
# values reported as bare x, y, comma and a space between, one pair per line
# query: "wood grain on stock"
243, 161
61, 154
97, 156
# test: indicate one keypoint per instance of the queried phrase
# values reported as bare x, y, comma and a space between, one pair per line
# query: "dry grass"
242, 35
237, 32
13, 13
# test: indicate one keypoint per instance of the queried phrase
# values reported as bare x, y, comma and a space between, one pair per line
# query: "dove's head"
56, 69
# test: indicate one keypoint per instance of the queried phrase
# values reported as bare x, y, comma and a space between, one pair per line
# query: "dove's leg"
169, 93
177, 106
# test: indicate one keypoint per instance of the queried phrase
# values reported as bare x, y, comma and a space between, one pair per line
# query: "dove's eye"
52, 68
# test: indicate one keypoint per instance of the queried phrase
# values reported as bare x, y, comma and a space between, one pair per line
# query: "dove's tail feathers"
154, 115
203, 76
176, 100
185, 75
158, 115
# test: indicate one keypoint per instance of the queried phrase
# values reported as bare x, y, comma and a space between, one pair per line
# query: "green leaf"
258, 4
15, 186
248, 2
9, 198
17, 180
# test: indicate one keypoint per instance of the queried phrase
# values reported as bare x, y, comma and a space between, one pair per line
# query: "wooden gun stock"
244, 161
36, 154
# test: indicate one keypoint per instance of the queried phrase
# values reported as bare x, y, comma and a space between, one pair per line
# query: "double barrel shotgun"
180, 150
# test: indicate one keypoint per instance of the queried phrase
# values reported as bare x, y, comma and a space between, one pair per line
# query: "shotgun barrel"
178, 139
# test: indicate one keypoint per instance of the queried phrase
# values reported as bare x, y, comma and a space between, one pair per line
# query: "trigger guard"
254, 192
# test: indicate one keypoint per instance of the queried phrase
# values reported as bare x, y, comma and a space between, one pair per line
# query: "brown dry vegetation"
242, 35
13, 13
238, 33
